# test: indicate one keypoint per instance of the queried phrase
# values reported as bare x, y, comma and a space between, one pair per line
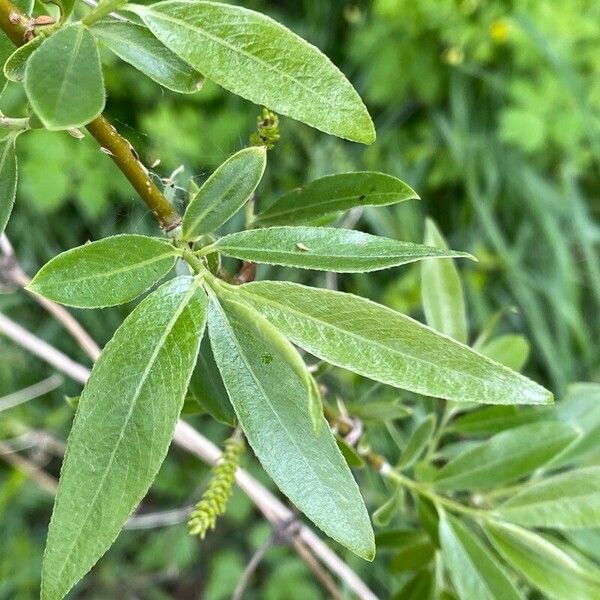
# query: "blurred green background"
489, 109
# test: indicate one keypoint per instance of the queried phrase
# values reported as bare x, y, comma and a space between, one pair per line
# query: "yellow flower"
499, 31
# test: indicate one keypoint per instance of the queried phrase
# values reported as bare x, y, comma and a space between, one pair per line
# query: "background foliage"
490, 110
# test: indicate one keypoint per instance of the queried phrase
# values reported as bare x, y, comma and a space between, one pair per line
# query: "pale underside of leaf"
325, 248
135, 44
123, 426
334, 193
272, 403
384, 345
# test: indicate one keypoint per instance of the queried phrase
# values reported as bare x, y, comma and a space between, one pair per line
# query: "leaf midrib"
210, 208
370, 342
146, 372
105, 274
489, 465
73, 55
251, 57
269, 214
270, 405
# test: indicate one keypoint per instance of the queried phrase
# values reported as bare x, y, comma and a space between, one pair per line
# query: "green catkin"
267, 133
214, 500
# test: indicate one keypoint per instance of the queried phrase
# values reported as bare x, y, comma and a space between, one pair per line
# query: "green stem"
426, 492
15, 24
102, 10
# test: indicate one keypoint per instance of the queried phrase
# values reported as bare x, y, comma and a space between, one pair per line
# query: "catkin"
214, 500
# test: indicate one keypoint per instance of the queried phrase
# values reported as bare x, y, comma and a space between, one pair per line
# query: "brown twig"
18, 27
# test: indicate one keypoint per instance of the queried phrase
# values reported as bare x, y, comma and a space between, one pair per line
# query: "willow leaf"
325, 248
384, 345
255, 57
122, 430
271, 398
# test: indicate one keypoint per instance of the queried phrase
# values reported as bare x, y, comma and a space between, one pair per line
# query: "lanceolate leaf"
271, 400
569, 500
134, 44
558, 574
510, 350
224, 192
474, 570
324, 248
8, 178
105, 273
335, 193
122, 429
251, 55
506, 457
207, 388
417, 442
382, 344
443, 300
63, 79
14, 67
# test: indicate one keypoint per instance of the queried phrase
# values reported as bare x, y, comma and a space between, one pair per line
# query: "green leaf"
510, 350
255, 57
442, 292
8, 179
384, 345
122, 430
417, 442
271, 399
105, 273
134, 44
14, 67
420, 586
324, 248
474, 570
6, 49
383, 516
350, 454
493, 419
581, 409
415, 554
63, 79
334, 193
548, 567
506, 457
569, 500
224, 192
207, 388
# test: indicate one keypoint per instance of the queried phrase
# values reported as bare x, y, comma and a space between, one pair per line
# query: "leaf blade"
388, 346
324, 248
63, 79
443, 299
124, 423
8, 179
569, 500
271, 401
547, 566
224, 192
134, 44
107, 272
473, 569
334, 193
506, 457
255, 57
